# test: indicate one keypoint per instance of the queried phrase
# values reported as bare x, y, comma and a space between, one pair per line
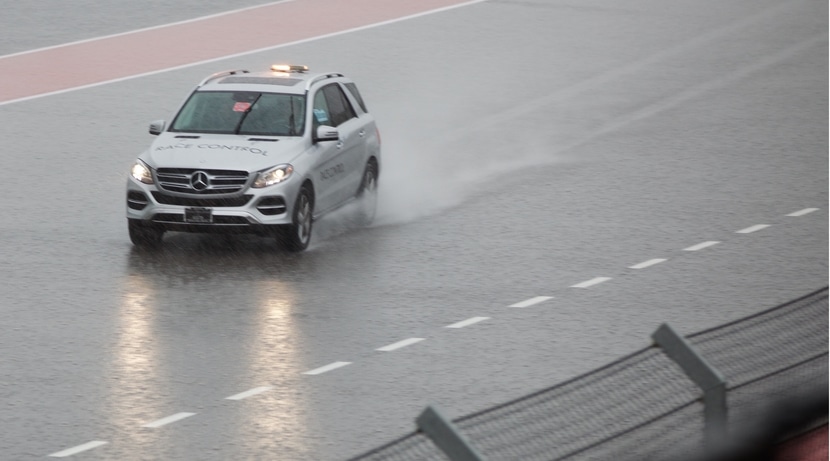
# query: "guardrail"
709, 395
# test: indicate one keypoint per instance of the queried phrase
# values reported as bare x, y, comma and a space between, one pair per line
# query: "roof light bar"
289, 68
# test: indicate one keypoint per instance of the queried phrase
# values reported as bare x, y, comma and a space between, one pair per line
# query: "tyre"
297, 235
144, 236
367, 195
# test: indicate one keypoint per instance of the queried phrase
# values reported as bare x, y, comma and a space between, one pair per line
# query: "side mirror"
326, 133
157, 127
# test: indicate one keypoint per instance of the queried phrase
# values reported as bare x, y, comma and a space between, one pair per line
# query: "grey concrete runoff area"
560, 178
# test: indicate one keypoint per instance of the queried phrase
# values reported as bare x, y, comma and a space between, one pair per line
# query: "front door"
339, 169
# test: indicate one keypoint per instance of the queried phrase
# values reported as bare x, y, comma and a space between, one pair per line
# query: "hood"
221, 152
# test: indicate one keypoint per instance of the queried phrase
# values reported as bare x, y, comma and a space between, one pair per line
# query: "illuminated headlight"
141, 172
273, 176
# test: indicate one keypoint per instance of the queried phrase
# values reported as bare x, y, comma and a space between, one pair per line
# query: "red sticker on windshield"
241, 106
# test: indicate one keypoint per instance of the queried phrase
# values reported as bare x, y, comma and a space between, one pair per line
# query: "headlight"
273, 176
141, 172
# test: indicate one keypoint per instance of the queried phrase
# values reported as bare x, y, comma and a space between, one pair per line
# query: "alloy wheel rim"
369, 195
370, 182
304, 219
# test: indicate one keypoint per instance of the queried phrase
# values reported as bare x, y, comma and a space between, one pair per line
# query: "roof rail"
222, 74
322, 77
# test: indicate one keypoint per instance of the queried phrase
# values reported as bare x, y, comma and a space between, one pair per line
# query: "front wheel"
297, 235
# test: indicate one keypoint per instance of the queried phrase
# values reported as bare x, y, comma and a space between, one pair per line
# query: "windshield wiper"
291, 130
245, 114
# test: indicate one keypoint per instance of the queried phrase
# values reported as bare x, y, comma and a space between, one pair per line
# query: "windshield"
242, 112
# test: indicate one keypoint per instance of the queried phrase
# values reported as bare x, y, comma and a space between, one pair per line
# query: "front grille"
172, 218
208, 202
205, 182
136, 200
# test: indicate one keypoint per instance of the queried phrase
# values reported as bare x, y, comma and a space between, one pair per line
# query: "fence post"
705, 376
446, 436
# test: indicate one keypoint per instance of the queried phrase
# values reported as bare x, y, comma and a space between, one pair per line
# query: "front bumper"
255, 211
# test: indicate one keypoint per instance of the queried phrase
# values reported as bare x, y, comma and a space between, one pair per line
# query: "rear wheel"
144, 236
297, 235
367, 195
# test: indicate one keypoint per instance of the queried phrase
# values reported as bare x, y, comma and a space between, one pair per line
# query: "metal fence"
688, 398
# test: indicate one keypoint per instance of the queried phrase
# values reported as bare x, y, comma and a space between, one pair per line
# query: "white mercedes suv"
257, 152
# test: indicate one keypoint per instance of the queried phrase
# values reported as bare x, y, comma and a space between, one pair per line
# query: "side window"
321, 111
339, 108
353, 90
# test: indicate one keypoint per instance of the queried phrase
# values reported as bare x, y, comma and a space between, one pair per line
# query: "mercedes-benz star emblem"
199, 181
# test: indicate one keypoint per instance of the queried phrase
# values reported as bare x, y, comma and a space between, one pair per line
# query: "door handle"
361, 133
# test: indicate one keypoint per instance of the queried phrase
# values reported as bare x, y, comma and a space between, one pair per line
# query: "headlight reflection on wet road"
136, 372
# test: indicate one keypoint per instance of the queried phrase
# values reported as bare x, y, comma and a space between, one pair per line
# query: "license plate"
198, 215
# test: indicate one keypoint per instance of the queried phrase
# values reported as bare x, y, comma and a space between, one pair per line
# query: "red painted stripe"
110, 58
811, 446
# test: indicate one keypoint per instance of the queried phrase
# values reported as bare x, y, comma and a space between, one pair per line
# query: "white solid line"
243, 53
591, 282
145, 29
329, 367
701, 246
532, 301
468, 322
803, 212
648, 263
78, 449
249, 393
169, 419
752, 229
400, 344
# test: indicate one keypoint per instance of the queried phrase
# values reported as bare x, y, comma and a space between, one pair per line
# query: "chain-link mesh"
764, 343
676, 436
771, 358
565, 419
754, 405
643, 406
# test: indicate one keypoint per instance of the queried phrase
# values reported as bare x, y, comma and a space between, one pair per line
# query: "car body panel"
215, 173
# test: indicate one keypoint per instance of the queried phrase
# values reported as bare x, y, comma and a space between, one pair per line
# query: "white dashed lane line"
468, 322
78, 449
399, 344
532, 301
329, 367
592, 282
701, 246
752, 229
250, 393
803, 212
168, 420
648, 263
407, 342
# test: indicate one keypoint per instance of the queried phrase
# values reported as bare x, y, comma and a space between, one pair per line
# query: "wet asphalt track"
573, 158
